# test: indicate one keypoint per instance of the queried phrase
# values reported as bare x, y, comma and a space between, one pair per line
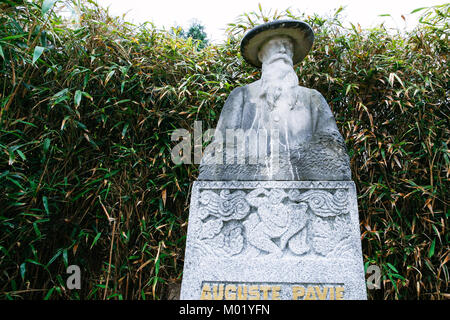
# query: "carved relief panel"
280, 220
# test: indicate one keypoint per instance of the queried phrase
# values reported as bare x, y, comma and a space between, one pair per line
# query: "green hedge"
86, 175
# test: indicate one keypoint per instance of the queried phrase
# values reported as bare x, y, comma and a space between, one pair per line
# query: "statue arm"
212, 163
231, 115
324, 119
328, 153
327, 135
230, 118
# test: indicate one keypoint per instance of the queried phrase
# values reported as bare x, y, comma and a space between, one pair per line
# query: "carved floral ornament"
273, 221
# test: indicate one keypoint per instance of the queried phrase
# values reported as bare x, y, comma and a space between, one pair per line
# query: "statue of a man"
287, 132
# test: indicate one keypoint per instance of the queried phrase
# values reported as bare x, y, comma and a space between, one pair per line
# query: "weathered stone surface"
274, 213
296, 134
300, 33
273, 239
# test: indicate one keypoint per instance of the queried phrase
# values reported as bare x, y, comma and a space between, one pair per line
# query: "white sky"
215, 15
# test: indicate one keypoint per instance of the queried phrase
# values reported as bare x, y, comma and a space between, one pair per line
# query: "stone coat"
307, 139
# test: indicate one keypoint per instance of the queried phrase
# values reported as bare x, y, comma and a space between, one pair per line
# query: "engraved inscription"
270, 291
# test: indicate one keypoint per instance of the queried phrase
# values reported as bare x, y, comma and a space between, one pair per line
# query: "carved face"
279, 47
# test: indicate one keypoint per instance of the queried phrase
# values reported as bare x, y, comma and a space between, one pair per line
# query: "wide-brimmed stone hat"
299, 31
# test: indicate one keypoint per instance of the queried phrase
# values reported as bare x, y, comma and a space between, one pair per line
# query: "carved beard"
278, 79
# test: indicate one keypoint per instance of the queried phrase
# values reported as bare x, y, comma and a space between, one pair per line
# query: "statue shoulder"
252, 89
237, 91
312, 93
311, 96
236, 97
304, 89
307, 93
317, 100
316, 94
231, 114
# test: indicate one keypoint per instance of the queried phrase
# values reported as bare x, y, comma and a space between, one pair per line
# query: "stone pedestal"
256, 240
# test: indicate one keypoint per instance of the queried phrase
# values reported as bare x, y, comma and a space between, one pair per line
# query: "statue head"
278, 77
269, 37
277, 48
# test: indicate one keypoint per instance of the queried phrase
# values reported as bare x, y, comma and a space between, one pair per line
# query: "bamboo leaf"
45, 202
77, 98
431, 251
49, 293
47, 5
392, 267
23, 269
46, 145
418, 9
108, 76
37, 53
96, 239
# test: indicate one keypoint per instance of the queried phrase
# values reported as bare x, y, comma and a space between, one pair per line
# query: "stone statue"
274, 214
287, 131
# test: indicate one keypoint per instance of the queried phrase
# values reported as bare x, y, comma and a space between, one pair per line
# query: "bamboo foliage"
86, 176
